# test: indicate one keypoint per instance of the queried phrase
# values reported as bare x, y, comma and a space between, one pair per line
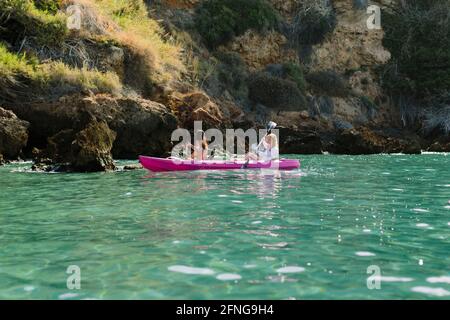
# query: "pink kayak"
174, 164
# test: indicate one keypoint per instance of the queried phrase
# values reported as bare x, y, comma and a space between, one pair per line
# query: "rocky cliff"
136, 70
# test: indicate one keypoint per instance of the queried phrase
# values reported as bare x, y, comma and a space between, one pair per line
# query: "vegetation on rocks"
295, 73
275, 92
46, 26
418, 37
35, 40
232, 73
19, 75
329, 83
313, 21
218, 21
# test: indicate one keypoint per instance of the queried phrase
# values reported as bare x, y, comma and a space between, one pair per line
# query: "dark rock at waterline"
142, 126
439, 146
13, 134
59, 148
2, 161
406, 146
130, 167
362, 141
42, 167
300, 142
400, 141
88, 150
91, 149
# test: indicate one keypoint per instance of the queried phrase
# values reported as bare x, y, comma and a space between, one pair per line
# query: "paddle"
270, 126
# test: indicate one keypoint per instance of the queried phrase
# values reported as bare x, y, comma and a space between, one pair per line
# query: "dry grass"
154, 57
59, 74
16, 71
127, 22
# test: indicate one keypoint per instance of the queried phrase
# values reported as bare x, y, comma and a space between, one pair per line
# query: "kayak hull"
168, 164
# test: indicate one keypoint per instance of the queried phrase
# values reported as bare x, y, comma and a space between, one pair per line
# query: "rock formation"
13, 135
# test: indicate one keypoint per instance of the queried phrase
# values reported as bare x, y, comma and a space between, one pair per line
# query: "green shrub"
328, 83
21, 17
313, 21
128, 8
295, 73
218, 21
417, 34
232, 73
12, 64
49, 6
368, 103
276, 93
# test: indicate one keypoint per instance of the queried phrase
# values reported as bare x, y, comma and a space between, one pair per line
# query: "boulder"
439, 146
135, 166
299, 142
358, 141
2, 161
13, 134
88, 150
406, 146
196, 106
59, 148
400, 141
91, 149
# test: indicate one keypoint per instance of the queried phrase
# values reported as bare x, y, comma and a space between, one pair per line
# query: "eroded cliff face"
352, 50
352, 45
258, 50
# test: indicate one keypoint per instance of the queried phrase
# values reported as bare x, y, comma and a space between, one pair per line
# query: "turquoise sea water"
308, 234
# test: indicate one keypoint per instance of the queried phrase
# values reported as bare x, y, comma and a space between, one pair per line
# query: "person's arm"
274, 141
265, 144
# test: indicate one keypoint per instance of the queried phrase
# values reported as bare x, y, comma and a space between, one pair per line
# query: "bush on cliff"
289, 71
19, 18
218, 21
313, 21
232, 73
275, 92
50, 6
417, 33
328, 83
295, 73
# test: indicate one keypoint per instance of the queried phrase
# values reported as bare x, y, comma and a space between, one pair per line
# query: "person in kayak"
199, 151
270, 150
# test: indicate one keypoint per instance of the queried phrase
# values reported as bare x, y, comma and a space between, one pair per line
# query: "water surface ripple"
308, 234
